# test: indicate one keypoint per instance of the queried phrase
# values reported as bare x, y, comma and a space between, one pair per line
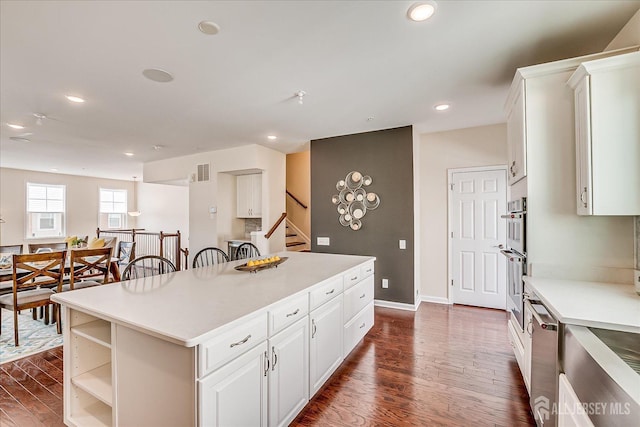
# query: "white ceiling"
355, 59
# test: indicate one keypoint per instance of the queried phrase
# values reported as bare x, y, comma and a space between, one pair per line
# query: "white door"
236, 394
289, 375
477, 231
326, 343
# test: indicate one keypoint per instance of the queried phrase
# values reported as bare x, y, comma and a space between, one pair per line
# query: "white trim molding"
435, 300
396, 305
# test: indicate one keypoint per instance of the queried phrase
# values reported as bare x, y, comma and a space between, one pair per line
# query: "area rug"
35, 336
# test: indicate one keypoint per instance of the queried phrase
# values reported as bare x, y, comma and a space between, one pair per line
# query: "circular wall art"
353, 201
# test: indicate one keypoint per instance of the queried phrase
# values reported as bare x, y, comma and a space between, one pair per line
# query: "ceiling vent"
203, 173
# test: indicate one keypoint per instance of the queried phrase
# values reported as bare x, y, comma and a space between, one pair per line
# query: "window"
113, 209
45, 210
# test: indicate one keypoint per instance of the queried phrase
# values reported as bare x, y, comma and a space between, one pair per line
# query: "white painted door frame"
450, 173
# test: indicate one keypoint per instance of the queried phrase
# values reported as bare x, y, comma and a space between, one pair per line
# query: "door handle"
500, 246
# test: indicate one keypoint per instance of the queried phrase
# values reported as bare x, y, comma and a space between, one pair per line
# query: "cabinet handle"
240, 342
368, 271
275, 358
331, 291
530, 328
583, 197
294, 313
266, 362
362, 326
363, 295
313, 328
354, 278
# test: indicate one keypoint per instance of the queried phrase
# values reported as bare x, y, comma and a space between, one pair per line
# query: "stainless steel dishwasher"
544, 363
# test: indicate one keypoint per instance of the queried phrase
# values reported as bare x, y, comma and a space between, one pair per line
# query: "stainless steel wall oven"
516, 253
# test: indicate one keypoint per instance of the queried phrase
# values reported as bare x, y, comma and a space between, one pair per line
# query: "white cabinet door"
236, 394
289, 375
526, 344
249, 196
570, 410
607, 107
326, 342
517, 137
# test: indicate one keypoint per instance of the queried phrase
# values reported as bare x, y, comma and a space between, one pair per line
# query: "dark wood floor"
443, 365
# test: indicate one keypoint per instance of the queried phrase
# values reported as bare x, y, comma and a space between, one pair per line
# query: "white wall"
629, 35
436, 153
82, 202
203, 226
163, 208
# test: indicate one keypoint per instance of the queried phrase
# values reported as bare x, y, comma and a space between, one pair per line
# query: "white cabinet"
289, 374
607, 107
526, 345
326, 342
236, 394
570, 410
516, 342
516, 132
249, 196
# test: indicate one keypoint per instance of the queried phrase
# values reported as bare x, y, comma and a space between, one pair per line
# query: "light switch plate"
403, 244
323, 241
385, 283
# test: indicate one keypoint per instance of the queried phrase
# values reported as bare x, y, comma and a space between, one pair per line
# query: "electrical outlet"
402, 244
323, 241
385, 283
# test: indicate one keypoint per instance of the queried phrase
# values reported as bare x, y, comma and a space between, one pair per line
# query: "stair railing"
278, 222
296, 200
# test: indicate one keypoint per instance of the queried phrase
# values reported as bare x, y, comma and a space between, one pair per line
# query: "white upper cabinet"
249, 196
516, 132
607, 122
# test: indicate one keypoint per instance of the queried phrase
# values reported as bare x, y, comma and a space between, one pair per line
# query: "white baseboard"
435, 300
396, 305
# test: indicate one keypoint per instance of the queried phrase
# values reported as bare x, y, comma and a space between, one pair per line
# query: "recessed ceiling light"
75, 99
157, 75
272, 137
421, 11
128, 153
370, 119
442, 107
209, 28
19, 139
158, 147
15, 126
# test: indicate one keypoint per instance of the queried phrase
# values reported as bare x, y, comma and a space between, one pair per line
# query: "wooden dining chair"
247, 250
148, 265
209, 256
11, 249
126, 253
29, 271
34, 247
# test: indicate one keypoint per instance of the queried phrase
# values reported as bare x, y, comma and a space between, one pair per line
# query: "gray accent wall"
386, 156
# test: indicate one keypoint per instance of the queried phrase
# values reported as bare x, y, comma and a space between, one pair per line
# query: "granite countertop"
592, 304
187, 307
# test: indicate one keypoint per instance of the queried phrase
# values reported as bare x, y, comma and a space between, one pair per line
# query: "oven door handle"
551, 324
511, 256
512, 216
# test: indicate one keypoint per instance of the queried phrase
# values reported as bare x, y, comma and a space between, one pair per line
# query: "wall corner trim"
396, 305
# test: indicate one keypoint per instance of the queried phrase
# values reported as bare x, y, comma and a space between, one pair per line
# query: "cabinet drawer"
351, 278
357, 328
325, 292
357, 297
231, 344
518, 349
367, 270
287, 313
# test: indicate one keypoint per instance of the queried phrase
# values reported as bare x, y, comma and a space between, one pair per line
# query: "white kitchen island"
213, 346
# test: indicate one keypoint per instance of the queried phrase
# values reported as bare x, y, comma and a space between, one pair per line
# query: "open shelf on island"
95, 414
96, 382
98, 331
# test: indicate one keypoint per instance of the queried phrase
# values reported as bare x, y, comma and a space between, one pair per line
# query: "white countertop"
186, 307
592, 304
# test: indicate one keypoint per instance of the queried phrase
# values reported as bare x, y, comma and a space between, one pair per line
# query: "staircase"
296, 240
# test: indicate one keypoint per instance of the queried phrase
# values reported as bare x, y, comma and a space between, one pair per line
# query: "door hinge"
451, 186
451, 282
